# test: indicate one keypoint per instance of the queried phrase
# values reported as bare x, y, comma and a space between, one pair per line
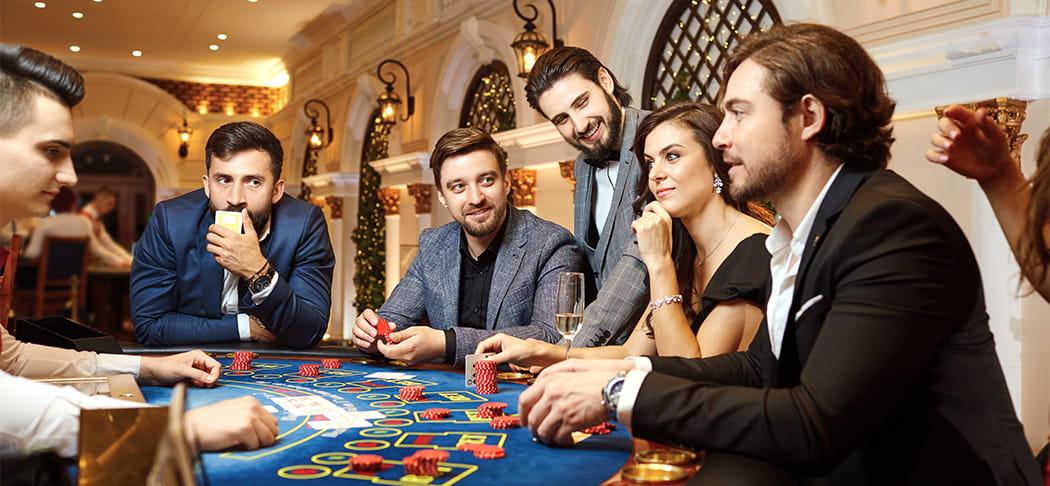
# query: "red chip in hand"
383, 329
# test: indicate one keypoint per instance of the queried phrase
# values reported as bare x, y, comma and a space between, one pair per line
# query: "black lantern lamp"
318, 137
184, 139
530, 45
389, 101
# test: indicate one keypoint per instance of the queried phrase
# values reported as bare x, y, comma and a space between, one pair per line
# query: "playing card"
229, 219
468, 371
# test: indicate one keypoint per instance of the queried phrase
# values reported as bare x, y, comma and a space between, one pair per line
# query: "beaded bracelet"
665, 300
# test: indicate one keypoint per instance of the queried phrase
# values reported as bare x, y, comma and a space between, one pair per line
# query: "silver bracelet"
665, 300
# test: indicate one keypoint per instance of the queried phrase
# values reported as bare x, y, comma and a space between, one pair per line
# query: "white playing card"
468, 371
229, 219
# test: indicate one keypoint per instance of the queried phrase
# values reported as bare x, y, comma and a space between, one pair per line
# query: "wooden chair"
7, 278
61, 274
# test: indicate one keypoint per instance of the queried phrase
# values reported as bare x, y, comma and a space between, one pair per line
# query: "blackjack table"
356, 409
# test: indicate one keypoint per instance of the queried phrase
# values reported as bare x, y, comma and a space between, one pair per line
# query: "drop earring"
718, 184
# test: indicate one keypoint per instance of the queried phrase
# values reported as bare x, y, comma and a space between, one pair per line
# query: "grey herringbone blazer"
524, 283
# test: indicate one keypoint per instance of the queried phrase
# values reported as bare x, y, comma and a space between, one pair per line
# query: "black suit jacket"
891, 377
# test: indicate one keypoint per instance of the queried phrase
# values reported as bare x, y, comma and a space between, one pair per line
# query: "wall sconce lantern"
389, 101
184, 139
318, 137
530, 45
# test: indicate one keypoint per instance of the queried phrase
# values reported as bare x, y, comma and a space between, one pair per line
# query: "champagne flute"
568, 308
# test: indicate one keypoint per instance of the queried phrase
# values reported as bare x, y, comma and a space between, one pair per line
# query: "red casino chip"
505, 422
433, 454
331, 364
491, 409
468, 446
486, 451
366, 462
245, 355
435, 413
411, 393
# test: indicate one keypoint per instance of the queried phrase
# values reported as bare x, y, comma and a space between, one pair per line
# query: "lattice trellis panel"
685, 62
489, 103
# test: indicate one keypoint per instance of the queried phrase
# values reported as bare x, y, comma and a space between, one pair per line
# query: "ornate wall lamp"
184, 139
530, 45
389, 101
318, 137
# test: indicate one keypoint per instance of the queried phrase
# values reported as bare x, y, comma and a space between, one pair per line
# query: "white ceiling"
172, 34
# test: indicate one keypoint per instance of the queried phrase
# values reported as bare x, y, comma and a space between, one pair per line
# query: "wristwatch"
258, 282
611, 394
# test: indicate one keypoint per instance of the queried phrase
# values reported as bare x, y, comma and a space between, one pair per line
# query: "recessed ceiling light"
252, 1
74, 48
78, 15
213, 47
221, 36
136, 53
39, 4
98, 1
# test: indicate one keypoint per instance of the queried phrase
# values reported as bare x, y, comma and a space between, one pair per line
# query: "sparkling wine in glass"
568, 308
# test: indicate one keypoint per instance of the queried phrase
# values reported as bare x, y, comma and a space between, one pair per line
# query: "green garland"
370, 233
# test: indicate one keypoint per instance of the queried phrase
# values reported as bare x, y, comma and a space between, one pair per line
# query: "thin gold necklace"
724, 235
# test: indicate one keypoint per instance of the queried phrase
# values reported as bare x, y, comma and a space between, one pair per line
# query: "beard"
485, 228
764, 179
259, 218
613, 131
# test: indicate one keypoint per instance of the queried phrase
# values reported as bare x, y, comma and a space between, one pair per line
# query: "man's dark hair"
559, 62
25, 73
464, 141
237, 137
819, 60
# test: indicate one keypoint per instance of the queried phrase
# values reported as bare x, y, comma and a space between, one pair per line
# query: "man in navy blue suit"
195, 281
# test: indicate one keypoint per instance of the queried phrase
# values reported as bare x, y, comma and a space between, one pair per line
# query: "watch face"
260, 283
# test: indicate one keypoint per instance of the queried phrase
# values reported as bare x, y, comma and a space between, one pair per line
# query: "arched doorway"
103, 163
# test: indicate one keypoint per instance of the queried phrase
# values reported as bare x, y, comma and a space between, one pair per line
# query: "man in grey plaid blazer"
494, 269
581, 97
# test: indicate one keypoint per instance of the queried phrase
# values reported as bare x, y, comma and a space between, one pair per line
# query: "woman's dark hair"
702, 120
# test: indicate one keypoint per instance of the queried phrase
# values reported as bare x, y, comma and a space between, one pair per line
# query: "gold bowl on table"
651, 473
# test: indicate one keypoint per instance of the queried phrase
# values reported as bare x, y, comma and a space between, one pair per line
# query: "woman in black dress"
704, 252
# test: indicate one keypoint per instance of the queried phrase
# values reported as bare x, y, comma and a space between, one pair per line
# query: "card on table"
229, 219
468, 371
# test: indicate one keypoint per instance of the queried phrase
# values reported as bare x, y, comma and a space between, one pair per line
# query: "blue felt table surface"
307, 455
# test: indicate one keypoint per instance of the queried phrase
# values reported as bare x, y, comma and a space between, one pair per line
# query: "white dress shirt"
785, 249
605, 188
231, 301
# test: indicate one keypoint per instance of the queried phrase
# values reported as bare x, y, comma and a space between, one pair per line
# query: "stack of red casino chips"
435, 413
411, 393
242, 361
505, 422
485, 377
491, 409
424, 462
331, 364
309, 369
366, 462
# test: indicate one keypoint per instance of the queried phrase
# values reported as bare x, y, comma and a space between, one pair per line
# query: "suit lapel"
623, 173
835, 200
211, 272
508, 262
447, 288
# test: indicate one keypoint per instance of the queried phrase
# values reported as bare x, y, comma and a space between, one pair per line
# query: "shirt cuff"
641, 363
450, 346
244, 329
264, 293
118, 364
632, 384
